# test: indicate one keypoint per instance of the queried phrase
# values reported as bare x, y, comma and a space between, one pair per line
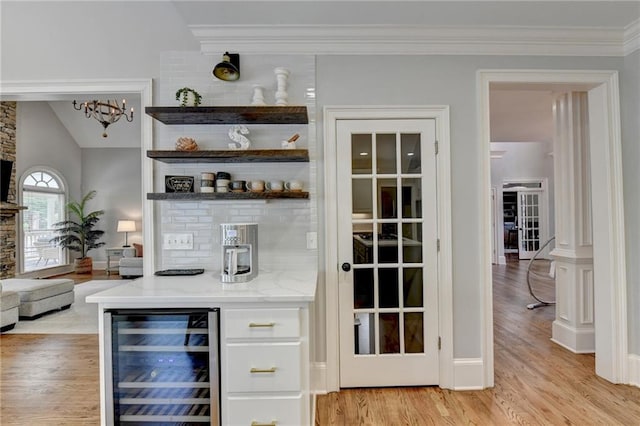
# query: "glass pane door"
164, 367
393, 285
529, 223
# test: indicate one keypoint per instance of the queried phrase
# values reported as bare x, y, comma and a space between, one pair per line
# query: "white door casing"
445, 321
387, 232
608, 213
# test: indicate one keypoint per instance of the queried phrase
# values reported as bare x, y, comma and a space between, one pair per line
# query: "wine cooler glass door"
164, 367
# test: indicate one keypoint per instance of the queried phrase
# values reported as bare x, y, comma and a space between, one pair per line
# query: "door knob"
346, 267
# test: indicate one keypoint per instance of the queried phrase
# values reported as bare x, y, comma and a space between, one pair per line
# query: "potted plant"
78, 232
188, 97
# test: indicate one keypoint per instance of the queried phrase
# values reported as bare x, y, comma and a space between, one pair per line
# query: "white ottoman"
9, 302
130, 265
37, 297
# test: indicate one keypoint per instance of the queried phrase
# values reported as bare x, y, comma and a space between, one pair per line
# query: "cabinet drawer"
262, 323
268, 367
265, 411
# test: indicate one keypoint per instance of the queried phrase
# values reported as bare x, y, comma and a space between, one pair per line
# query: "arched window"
43, 192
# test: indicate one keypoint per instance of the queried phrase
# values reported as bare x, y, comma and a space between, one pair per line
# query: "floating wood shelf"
227, 195
231, 156
230, 115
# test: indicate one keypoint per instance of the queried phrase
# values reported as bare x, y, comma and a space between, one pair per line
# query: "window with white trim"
43, 193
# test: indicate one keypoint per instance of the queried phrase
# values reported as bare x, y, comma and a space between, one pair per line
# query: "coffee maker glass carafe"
239, 252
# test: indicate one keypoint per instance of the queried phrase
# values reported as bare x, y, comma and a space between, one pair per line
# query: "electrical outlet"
312, 240
177, 242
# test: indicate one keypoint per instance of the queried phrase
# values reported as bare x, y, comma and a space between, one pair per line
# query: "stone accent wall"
8, 229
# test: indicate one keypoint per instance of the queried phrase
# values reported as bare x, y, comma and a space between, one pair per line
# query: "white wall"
115, 174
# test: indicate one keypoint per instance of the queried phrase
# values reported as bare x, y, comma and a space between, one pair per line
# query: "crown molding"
414, 40
632, 37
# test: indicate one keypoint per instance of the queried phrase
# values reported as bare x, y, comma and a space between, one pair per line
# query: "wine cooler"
164, 367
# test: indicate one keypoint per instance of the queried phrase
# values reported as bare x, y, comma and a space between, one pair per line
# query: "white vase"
282, 74
258, 95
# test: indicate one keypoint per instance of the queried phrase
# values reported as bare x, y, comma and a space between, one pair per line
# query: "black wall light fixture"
229, 68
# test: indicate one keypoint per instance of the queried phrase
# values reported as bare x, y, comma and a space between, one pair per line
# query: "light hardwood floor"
53, 380
536, 381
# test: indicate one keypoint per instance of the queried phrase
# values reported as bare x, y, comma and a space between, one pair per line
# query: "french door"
530, 224
387, 246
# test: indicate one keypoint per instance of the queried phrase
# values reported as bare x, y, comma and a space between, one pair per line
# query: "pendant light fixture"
229, 68
107, 112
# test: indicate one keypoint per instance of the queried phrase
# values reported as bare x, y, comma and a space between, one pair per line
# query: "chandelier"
107, 112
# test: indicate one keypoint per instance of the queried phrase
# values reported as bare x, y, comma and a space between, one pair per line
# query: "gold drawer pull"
263, 370
261, 324
272, 423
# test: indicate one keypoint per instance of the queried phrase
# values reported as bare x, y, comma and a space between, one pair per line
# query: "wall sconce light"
126, 226
106, 112
229, 68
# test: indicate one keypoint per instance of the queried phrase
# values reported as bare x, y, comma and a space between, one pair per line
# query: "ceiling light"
229, 68
107, 112
364, 153
409, 154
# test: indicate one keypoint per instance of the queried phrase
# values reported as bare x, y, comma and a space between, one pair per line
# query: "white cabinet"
265, 411
265, 377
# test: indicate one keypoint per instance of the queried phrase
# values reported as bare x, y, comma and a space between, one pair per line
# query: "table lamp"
126, 226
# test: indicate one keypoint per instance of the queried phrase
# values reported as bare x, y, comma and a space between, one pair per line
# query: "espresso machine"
239, 252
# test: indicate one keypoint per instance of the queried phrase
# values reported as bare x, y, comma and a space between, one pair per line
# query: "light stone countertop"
206, 288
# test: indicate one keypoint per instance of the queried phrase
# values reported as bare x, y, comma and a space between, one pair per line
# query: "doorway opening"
606, 191
525, 216
50, 91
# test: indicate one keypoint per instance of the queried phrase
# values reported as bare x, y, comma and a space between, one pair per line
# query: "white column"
573, 327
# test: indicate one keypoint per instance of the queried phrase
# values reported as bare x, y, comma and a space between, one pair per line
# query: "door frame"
47, 90
440, 113
608, 221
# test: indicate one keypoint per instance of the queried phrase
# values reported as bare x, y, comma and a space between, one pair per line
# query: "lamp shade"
126, 226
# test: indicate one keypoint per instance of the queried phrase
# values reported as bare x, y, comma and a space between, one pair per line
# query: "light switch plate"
312, 240
173, 241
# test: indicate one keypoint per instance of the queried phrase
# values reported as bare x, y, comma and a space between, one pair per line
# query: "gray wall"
630, 111
54, 49
115, 174
437, 80
42, 140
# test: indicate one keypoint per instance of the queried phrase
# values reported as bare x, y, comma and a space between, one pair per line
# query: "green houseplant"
78, 232
188, 97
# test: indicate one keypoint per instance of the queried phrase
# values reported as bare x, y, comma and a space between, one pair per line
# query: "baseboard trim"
319, 378
578, 341
634, 370
47, 272
468, 374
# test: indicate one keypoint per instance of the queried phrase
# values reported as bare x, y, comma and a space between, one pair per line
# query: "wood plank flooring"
53, 380
536, 381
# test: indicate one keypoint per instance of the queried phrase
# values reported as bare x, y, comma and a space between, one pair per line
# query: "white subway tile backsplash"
282, 224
